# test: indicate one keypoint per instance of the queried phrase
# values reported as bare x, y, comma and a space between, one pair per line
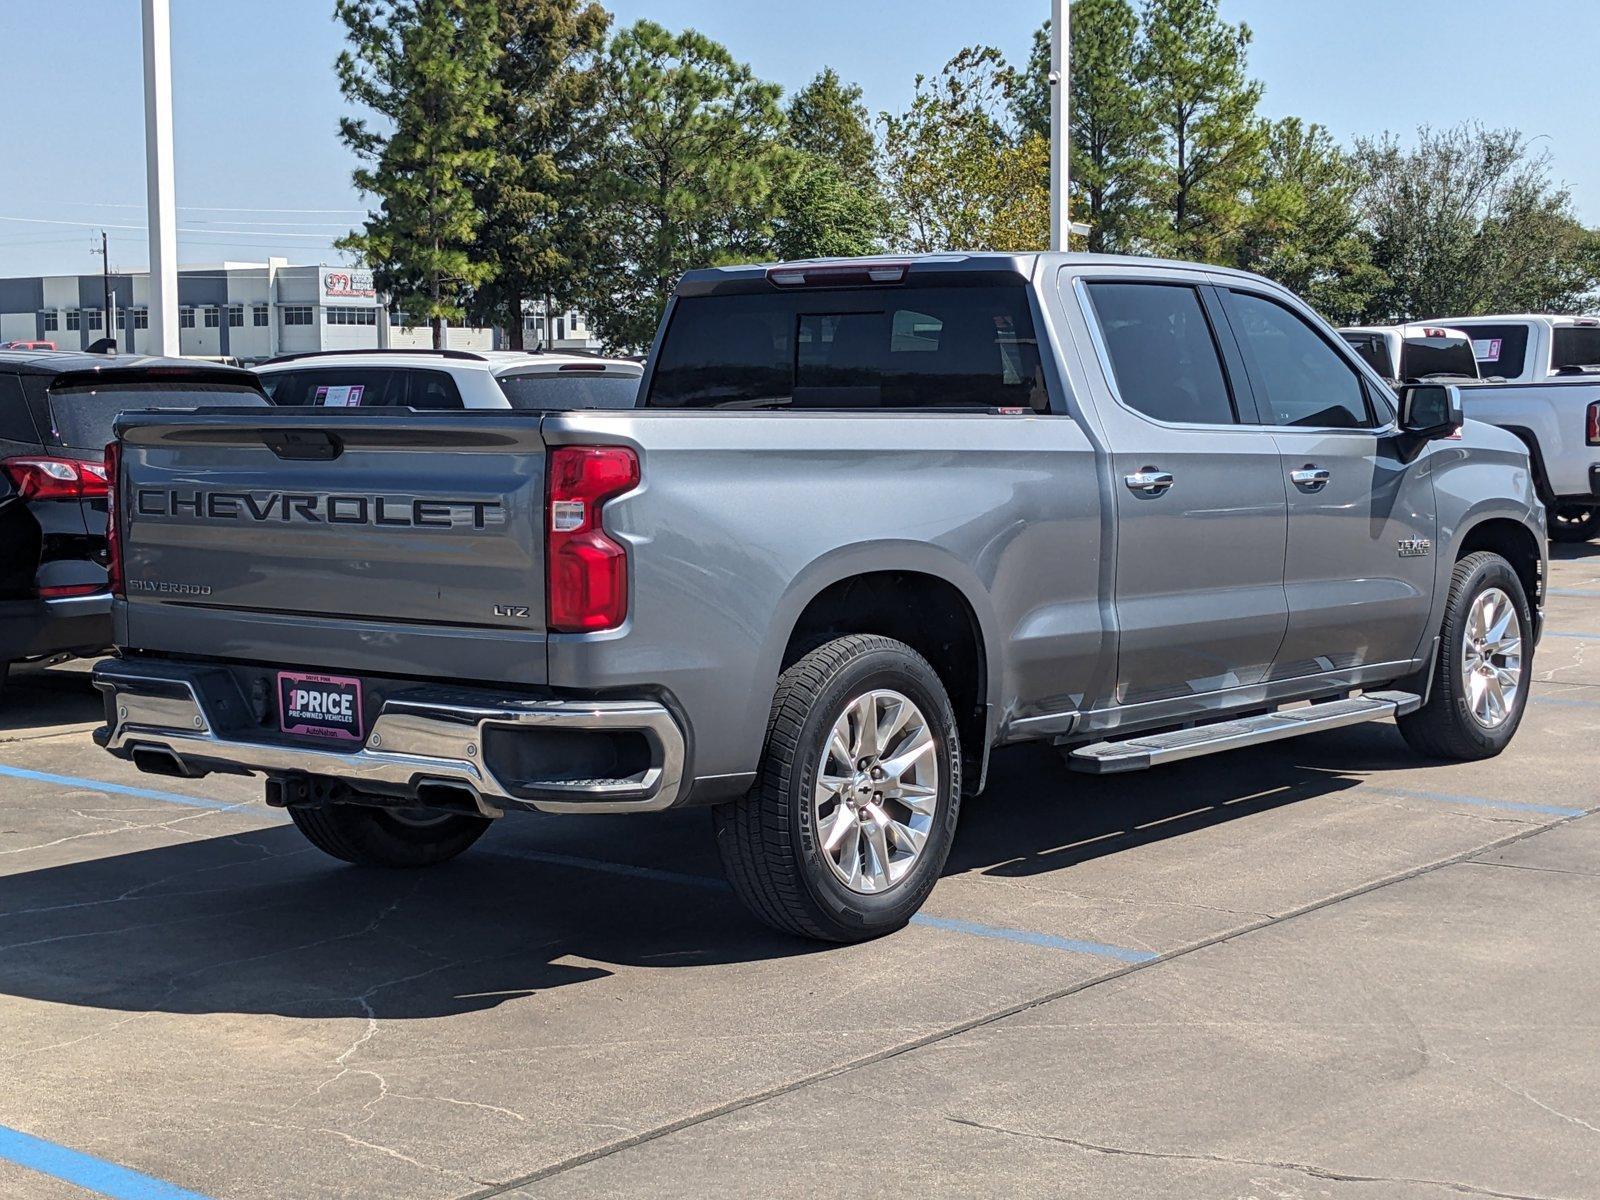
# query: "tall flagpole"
161, 210
1060, 59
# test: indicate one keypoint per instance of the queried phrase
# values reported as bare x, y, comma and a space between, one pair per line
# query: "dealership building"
243, 310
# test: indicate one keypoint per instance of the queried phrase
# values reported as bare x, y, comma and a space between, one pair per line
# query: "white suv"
450, 379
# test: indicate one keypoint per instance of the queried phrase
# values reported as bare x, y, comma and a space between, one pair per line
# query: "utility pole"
1060, 64
105, 283
161, 208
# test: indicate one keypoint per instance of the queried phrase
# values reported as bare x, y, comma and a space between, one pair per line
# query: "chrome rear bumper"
162, 715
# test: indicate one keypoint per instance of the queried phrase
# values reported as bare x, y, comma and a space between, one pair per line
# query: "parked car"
450, 380
1542, 382
56, 415
872, 519
1414, 353
34, 345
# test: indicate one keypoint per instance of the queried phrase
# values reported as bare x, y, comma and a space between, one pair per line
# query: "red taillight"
588, 571
113, 526
43, 478
69, 590
1593, 430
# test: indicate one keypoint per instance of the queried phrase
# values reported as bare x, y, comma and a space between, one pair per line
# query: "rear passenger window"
1302, 379
16, 421
1163, 353
433, 390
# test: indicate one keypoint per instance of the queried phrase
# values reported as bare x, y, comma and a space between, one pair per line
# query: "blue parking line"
1585, 592
118, 789
1049, 940
1582, 637
1563, 701
85, 1171
1549, 810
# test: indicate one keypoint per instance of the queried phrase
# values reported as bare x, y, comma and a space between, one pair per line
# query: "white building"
243, 310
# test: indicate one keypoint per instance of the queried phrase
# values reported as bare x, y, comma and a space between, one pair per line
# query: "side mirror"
1430, 410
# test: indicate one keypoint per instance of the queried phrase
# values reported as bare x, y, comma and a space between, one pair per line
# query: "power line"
217, 208
181, 229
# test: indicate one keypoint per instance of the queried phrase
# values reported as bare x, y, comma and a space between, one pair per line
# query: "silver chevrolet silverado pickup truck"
870, 520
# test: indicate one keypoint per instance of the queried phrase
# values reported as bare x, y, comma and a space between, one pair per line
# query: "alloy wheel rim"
1491, 658
876, 791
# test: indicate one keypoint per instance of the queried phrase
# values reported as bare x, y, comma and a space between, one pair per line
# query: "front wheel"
383, 837
1480, 682
851, 818
1574, 523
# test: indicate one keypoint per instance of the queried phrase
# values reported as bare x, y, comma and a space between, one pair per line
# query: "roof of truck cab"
499, 362
1415, 329
1562, 319
973, 262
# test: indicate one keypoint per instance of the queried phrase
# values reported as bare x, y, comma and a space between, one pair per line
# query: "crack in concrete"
1308, 1169
1524, 1094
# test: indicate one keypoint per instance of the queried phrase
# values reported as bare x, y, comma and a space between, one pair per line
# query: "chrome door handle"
1311, 479
1149, 482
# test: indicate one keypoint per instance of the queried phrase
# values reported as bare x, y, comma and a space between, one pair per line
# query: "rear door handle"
1149, 482
1310, 479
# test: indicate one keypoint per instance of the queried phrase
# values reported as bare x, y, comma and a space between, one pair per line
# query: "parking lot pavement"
1321, 968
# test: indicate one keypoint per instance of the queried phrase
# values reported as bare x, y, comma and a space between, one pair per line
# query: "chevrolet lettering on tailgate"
318, 508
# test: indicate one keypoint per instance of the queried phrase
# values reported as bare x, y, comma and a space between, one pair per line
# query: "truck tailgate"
366, 540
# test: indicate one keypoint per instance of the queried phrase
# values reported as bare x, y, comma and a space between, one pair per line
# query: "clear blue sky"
257, 104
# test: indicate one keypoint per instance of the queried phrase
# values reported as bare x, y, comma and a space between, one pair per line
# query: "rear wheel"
1485, 661
852, 816
1574, 523
383, 837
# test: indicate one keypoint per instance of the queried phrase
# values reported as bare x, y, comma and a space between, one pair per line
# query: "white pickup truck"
1541, 381
1414, 353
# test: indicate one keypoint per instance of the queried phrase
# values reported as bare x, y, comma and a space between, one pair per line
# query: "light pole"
161, 209
1060, 59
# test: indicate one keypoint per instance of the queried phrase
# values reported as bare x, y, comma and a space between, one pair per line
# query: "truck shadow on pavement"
258, 922
41, 700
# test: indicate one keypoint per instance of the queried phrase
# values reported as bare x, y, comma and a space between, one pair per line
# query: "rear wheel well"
1514, 542
928, 614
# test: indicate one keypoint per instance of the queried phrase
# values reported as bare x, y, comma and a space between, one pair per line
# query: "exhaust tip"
154, 760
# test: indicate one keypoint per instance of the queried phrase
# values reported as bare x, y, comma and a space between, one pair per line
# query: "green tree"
829, 202
1114, 136
1030, 91
942, 157
427, 68
1468, 221
827, 118
535, 233
1303, 224
685, 175
1193, 73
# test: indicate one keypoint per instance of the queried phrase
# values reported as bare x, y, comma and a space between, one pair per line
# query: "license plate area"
320, 706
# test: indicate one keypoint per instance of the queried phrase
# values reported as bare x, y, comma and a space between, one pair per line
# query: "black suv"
56, 413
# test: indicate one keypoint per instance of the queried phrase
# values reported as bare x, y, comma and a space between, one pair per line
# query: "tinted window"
432, 390
336, 387
1162, 352
1575, 346
16, 422
573, 389
1500, 349
1301, 378
1372, 349
960, 347
81, 417
1428, 357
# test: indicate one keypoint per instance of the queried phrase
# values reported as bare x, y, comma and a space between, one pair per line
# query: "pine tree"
1193, 73
830, 202
827, 118
426, 67
686, 175
1114, 134
535, 232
